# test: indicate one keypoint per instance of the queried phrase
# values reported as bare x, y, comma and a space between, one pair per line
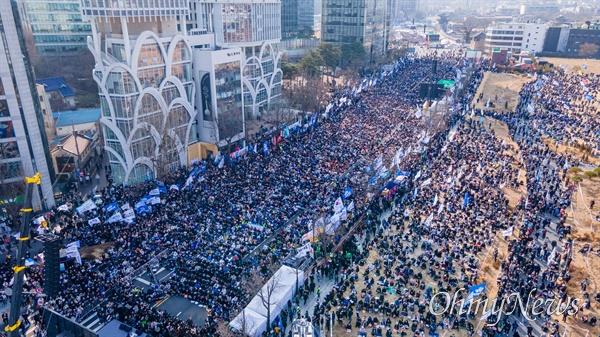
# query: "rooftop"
59, 84
72, 144
76, 117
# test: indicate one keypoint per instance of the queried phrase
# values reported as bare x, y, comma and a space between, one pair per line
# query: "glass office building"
23, 144
362, 21
56, 26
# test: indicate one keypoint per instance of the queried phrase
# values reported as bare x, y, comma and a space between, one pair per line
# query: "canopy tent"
281, 288
446, 84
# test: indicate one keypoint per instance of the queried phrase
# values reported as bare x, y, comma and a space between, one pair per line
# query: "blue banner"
467, 199
110, 208
347, 192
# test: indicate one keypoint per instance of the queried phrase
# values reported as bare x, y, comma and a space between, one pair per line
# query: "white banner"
88, 205
93, 221
115, 218
64, 208
304, 251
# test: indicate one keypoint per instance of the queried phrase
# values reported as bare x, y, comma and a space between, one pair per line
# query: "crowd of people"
449, 222
558, 106
231, 220
564, 106
208, 229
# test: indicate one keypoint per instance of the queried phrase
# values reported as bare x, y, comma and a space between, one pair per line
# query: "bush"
575, 170
590, 174
577, 178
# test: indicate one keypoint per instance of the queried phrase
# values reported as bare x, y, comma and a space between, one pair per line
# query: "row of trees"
326, 60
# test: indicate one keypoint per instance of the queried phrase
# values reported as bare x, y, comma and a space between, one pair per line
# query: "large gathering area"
371, 217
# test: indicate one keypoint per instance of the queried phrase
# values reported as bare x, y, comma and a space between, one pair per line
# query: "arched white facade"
146, 89
262, 77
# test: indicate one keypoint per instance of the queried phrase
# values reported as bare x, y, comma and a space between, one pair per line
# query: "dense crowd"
207, 231
437, 236
564, 106
230, 221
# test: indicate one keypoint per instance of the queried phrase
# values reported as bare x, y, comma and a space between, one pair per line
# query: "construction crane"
14, 318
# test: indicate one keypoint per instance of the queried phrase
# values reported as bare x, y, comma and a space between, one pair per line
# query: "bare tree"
266, 296
468, 26
309, 95
230, 125
279, 113
246, 325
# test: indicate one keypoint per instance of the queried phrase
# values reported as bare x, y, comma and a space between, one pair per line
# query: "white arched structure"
135, 127
270, 78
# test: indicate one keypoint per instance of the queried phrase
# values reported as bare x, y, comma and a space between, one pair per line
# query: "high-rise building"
289, 19
56, 26
144, 73
356, 21
254, 27
407, 7
23, 144
300, 18
175, 72
309, 17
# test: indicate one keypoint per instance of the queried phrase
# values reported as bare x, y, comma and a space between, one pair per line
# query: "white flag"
64, 208
339, 204
129, 214
93, 221
508, 232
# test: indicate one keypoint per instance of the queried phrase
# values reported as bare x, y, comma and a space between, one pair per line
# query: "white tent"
279, 290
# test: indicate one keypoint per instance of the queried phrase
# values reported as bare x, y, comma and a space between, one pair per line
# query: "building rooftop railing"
143, 9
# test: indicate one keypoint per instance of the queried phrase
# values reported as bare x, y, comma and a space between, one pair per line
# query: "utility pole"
14, 318
78, 161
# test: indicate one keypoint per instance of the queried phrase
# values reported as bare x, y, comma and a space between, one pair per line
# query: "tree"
279, 113
309, 95
331, 55
588, 23
246, 325
468, 26
353, 53
290, 70
266, 296
589, 50
311, 64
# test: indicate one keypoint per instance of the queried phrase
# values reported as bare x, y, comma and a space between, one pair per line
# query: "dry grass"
573, 65
586, 233
490, 267
95, 252
574, 151
500, 129
501, 89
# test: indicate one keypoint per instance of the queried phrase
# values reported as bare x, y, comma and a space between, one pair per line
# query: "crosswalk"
93, 322
145, 280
